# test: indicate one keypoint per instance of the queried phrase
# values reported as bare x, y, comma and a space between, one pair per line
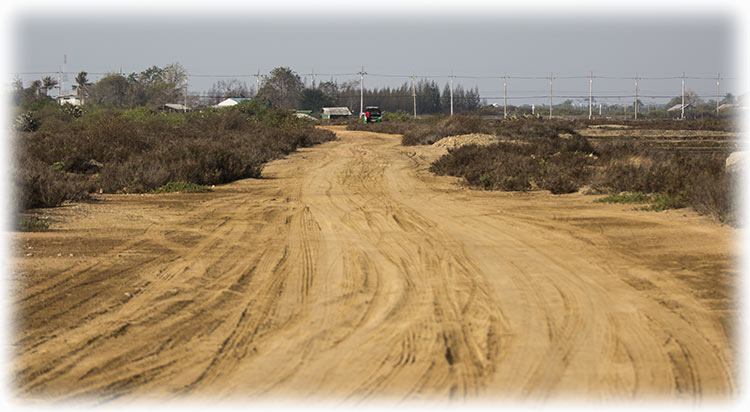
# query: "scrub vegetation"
141, 150
682, 168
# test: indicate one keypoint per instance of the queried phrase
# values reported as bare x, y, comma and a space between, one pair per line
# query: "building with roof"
232, 101
174, 107
679, 107
335, 113
70, 99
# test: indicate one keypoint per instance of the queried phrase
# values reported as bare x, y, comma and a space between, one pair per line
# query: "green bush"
182, 187
664, 201
397, 116
58, 166
637, 197
32, 224
254, 109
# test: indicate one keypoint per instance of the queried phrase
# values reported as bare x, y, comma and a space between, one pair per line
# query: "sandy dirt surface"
351, 273
453, 142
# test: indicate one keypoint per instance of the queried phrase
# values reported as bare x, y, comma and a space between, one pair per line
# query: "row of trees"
38, 89
151, 87
429, 99
228, 88
282, 88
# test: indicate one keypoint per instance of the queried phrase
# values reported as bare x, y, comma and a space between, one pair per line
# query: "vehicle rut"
349, 271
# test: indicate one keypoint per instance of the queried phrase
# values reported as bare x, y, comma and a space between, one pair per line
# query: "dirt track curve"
350, 272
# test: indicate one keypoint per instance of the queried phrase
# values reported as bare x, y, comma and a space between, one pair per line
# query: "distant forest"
429, 98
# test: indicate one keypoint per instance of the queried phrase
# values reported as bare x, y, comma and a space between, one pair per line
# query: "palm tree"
48, 83
35, 87
83, 84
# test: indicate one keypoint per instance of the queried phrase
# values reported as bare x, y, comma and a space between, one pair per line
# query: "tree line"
282, 87
152, 87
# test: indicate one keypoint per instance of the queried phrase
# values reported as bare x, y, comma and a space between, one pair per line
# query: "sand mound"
452, 142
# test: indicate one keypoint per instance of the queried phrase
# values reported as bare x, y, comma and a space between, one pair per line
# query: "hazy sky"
478, 43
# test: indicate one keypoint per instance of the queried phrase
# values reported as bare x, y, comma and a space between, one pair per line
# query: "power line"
408, 76
525, 93
221, 75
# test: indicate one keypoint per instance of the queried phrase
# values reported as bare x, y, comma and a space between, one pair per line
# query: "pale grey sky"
480, 43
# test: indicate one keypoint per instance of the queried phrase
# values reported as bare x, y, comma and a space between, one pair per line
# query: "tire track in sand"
350, 272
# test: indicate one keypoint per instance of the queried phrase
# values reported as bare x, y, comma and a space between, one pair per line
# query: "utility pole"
312, 82
682, 109
591, 101
635, 104
184, 108
718, 79
600, 109
451, 93
550, 95
361, 90
505, 96
61, 77
59, 83
414, 94
257, 82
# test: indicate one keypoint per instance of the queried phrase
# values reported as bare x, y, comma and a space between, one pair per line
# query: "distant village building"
69, 98
174, 107
232, 101
679, 107
335, 113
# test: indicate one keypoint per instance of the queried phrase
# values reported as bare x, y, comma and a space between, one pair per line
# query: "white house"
232, 101
69, 98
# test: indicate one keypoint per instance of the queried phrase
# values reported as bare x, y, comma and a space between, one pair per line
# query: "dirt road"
350, 272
